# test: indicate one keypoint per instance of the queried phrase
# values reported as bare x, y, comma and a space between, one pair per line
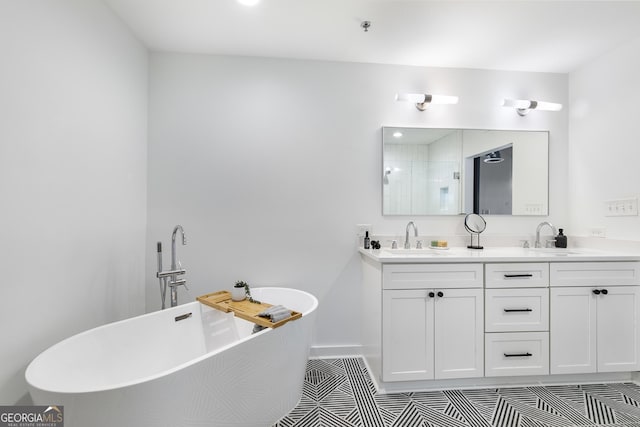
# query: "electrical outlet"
361, 229
598, 232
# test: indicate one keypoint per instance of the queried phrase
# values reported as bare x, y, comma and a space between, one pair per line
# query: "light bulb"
525, 104
422, 100
444, 99
516, 103
411, 97
549, 106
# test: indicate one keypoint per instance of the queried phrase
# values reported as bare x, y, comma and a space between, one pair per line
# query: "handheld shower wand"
162, 280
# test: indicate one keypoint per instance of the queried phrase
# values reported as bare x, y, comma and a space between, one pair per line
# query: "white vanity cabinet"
432, 321
595, 317
446, 319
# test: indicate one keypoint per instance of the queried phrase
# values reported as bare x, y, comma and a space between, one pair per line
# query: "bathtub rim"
166, 372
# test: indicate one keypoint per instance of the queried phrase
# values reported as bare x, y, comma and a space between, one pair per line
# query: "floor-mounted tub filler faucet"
542, 224
407, 244
175, 271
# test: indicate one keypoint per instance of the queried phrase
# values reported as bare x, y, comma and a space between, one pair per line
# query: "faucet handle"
550, 243
176, 283
394, 244
418, 244
525, 243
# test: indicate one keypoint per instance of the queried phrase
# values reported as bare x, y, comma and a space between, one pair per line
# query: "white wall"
605, 141
73, 101
269, 164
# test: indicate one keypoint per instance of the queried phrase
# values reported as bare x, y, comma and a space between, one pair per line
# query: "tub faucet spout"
174, 283
173, 244
170, 277
407, 245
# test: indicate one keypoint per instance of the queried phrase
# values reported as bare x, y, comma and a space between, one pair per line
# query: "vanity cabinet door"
595, 329
459, 332
407, 335
573, 330
618, 339
432, 334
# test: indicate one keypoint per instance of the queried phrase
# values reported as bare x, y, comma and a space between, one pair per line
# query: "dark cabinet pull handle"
596, 291
511, 276
604, 292
440, 294
518, 354
515, 310
431, 294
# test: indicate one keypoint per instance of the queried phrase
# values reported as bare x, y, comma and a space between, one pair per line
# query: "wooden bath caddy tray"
244, 309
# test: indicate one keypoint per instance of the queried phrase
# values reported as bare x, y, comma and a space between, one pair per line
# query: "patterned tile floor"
339, 392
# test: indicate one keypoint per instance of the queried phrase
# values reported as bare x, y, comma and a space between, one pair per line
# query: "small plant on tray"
247, 291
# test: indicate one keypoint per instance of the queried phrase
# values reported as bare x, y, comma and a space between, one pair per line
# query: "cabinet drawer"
516, 353
595, 273
517, 275
513, 310
421, 276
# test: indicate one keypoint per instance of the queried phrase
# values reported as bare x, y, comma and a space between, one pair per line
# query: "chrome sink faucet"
407, 244
542, 224
175, 271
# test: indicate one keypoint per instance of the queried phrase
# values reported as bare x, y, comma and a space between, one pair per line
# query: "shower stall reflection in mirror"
492, 175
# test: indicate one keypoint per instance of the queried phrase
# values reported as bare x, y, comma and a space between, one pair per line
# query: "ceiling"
541, 35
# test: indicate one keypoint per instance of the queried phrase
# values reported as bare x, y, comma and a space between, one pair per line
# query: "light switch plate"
621, 207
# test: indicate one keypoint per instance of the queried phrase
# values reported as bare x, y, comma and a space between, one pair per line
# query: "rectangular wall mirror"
456, 171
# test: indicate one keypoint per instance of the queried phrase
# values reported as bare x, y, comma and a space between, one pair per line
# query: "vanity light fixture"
422, 100
397, 134
523, 106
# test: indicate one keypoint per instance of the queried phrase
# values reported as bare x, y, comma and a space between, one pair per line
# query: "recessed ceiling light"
249, 2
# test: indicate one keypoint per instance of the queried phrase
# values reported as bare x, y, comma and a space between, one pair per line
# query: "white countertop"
498, 254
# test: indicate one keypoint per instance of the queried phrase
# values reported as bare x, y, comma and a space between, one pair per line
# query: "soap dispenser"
561, 239
367, 240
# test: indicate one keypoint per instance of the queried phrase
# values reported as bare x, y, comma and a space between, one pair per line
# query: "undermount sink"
556, 251
421, 252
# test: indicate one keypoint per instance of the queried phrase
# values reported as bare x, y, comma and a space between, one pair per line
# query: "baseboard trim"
342, 351
335, 351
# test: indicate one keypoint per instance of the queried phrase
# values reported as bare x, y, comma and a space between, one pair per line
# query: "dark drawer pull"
518, 355
512, 276
515, 310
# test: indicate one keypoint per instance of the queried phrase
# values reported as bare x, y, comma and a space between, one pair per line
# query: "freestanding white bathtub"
205, 370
